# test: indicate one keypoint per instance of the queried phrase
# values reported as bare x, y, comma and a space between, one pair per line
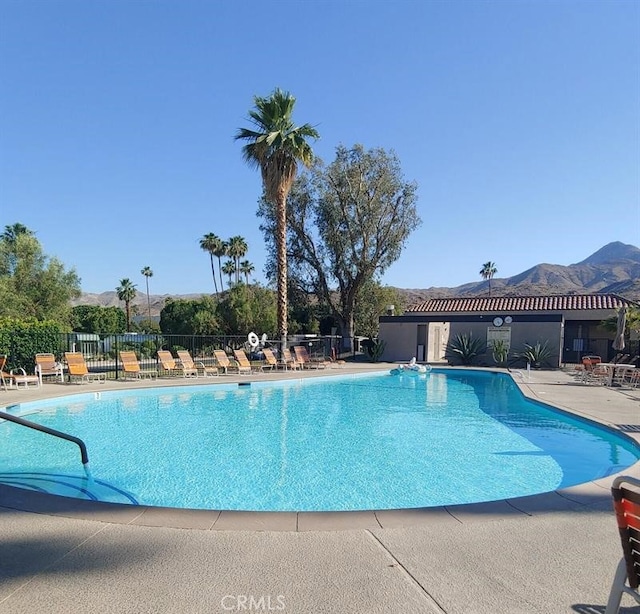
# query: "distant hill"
613, 268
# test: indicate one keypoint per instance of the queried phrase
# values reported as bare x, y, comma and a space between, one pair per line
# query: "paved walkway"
548, 554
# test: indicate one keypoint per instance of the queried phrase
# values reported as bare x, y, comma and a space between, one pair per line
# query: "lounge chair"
15, 377
47, 366
222, 361
626, 503
305, 360
170, 366
78, 370
198, 367
270, 360
244, 365
131, 366
290, 360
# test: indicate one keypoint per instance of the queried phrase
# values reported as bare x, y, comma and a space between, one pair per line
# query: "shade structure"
618, 342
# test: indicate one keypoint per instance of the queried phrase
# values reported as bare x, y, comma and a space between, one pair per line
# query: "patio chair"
305, 360
169, 365
291, 360
244, 365
15, 377
593, 373
270, 360
78, 370
131, 366
222, 361
187, 363
626, 503
47, 366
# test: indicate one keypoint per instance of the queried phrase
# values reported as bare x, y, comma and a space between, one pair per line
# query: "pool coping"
593, 495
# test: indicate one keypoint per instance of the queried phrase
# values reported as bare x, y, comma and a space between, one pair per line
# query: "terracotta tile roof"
561, 302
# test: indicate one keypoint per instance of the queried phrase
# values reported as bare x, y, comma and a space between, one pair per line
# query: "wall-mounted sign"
498, 333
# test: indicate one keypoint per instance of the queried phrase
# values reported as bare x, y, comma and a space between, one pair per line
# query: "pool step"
76, 486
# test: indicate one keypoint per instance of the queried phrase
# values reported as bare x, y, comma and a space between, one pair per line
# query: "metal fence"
101, 351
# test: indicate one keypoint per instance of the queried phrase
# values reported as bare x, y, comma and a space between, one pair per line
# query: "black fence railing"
101, 352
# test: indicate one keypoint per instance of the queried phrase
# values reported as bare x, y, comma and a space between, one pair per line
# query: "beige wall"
401, 338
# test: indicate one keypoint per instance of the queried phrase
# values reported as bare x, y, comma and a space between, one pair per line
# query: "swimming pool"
354, 442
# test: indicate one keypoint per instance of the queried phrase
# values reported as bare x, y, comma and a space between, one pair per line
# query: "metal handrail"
49, 431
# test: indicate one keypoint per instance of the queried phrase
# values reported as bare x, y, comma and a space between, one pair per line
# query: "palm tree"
220, 251
487, 271
246, 268
210, 243
275, 146
127, 292
229, 268
236, 249
147, 272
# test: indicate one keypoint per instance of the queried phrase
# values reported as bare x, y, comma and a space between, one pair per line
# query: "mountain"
613, 268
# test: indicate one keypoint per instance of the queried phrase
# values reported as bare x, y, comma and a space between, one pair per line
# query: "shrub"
536, 355
464, 349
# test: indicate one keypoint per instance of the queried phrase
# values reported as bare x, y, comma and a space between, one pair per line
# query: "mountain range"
614, 268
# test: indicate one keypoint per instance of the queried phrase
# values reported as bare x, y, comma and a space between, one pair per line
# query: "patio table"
612, 367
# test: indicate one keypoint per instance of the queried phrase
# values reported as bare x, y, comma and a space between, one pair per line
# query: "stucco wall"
401, 338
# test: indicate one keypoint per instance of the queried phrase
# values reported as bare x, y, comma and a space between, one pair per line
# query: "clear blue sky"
519, 120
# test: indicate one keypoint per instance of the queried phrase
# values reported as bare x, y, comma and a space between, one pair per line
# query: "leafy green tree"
31, 283
147, 272
211, 243
189, 317
126, 293
236, 249
372, 302
487, 272
276, 145
347, 223
248, 308
99, 320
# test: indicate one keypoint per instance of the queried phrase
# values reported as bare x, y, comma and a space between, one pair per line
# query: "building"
570, 324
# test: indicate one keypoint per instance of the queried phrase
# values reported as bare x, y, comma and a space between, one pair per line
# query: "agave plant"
465, 348
537, 354
374, 348
500, 352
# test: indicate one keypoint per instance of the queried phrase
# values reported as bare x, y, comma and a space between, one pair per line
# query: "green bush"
464, 349
21, 340
536, 355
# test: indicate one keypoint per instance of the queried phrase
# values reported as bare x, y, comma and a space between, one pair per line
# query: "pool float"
411, 368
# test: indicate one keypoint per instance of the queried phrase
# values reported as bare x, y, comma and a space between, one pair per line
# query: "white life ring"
253, 339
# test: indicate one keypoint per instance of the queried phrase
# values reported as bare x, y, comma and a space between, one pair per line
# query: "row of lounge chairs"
184, 365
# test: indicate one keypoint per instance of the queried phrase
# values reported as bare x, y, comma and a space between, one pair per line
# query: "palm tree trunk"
220, 271
213, 272
148, 299
281, 250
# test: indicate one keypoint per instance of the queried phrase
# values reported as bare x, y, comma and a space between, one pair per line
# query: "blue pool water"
372, 441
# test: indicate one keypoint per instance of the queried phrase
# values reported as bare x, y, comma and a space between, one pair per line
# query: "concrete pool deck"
547, 553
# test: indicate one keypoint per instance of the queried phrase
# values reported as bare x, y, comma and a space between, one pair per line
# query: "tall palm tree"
275, 145
487, 271
236, 249
127, 292
210, 243
220, 251
147, 272
229, 268
246, 268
